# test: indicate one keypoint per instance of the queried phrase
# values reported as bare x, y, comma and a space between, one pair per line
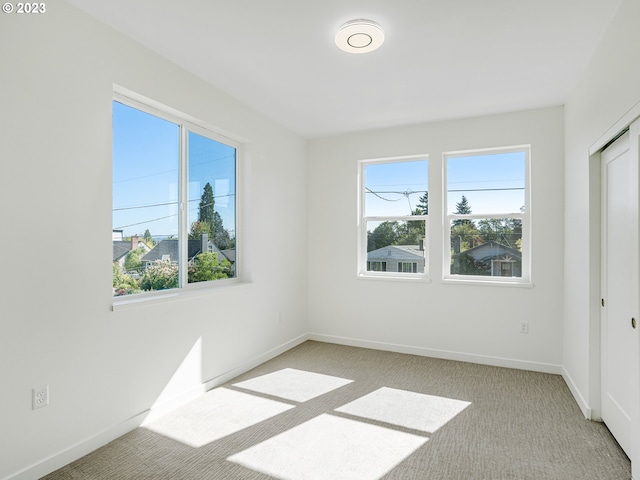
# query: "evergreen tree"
465, 229
423, 204
220, 234
148, 239
198, 228
206, 206
462, 208
210, 222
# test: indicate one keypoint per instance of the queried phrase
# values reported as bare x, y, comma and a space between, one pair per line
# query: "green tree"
123, 284
160, 275
221, 236
462, 208
507, 231
468, 234
208, 217
133, 260
411, 231
206, 205
423, 205
465, 264
464, 229
148, 239
206, 266
387, 233
198, 228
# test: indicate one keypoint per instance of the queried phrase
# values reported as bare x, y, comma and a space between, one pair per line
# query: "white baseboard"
254, 362
88, 445
582, 404
443, 354
80, 449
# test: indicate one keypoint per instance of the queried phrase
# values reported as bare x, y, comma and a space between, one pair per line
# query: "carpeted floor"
330, 412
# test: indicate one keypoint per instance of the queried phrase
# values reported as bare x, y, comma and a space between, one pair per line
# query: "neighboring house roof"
229, 254
397, 252
120, 249
169, 249
491, 250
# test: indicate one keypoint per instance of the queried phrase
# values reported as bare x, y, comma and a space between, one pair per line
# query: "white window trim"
362, 271
186, 123
525, 279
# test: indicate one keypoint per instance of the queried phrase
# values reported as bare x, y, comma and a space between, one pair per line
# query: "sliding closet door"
619, 319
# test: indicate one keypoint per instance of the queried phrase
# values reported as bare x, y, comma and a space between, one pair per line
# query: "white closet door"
620, 346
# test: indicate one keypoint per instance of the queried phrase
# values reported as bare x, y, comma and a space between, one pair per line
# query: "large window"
487, 215
174, 201
394, 207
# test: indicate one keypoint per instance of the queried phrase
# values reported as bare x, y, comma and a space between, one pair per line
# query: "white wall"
609, 88
57, 72
472, 322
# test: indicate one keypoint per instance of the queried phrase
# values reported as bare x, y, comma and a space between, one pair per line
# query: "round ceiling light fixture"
360, 36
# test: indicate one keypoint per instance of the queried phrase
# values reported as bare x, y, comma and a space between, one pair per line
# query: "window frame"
525, 216
362, 261
186, 124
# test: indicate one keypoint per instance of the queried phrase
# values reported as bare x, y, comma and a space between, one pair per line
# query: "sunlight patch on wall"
216, 414
330, 447
184, 385
292, 384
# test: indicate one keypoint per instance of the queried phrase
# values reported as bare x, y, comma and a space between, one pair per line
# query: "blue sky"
491, 183
146, 152
396, 186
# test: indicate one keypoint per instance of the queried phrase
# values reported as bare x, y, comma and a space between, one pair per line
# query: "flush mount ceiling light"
359, 36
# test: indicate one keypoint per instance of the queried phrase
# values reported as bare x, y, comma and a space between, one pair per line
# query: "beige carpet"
330, 412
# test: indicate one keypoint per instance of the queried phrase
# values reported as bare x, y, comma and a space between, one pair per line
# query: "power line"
173, 169
149, 205
146, 176
146, 221
486, 189
406, 194
145, 206
160, 218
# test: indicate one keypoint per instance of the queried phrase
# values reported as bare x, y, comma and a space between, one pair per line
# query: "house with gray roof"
122, 247
490, 258
169, 250
397, 258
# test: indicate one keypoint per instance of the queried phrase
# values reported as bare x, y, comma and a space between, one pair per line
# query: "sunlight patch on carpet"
417, 411
292, 384
329, 447
214, 415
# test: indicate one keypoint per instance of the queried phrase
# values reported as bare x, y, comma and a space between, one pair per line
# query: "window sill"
395, 278
126, 302
490, 283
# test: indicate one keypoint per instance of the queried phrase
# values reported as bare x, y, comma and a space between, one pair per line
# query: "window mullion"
183, 233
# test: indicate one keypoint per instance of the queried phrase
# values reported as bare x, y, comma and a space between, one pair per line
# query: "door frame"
631, 122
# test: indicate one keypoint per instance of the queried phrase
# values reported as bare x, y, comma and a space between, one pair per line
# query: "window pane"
146, 152
212, 209
396, 246
493, 183
486, 247
396, 188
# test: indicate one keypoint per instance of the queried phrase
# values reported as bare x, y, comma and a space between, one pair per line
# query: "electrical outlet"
524, 327
40, 397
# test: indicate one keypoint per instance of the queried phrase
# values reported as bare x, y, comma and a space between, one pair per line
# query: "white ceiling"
441, 59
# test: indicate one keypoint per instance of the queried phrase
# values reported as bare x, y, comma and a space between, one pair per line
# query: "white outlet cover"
40, 397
